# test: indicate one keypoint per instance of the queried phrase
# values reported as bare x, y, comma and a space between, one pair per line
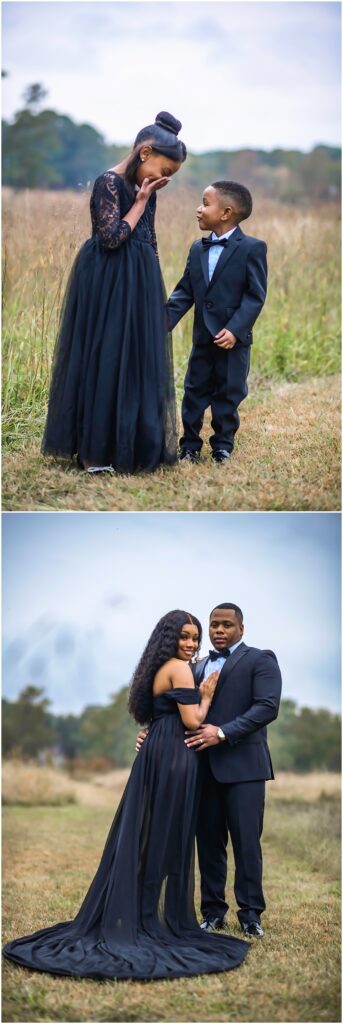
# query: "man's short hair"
234, 607
239, 193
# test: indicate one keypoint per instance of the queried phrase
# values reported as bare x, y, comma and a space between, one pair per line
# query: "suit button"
209, 305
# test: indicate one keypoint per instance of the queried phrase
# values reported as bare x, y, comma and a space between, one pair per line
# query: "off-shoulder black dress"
112, 398
138, 918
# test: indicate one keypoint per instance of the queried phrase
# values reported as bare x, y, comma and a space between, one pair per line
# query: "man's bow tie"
207, 242
213, 655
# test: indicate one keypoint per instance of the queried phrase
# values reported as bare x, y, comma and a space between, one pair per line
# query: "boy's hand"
225, 339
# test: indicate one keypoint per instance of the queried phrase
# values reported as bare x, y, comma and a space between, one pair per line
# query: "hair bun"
168, 122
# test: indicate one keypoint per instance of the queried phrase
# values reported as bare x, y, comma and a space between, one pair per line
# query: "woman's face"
155, 165
189, 640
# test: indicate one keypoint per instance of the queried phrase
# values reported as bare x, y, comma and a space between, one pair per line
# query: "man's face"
225, 628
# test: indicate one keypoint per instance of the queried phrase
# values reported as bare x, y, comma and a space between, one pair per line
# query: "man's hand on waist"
205, 736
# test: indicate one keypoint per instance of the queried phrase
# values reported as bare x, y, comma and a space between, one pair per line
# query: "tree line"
47, 150
301, 739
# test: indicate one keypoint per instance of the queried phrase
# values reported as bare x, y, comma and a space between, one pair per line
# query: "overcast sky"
237, 74
83, 591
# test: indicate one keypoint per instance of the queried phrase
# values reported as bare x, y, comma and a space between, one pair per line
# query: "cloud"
281, 569
258, 74
115, 600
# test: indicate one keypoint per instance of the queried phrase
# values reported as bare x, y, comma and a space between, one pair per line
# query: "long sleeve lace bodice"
106, 212
110, 201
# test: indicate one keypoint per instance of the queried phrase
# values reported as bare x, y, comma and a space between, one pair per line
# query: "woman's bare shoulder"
172, 674
181, 673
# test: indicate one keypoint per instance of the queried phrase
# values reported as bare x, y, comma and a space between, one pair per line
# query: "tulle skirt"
112, 398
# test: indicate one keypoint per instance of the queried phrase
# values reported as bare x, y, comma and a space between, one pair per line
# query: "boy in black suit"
226, 279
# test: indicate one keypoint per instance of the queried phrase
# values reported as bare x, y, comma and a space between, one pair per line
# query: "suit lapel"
229, 666
225, 256
204, 262
198, 670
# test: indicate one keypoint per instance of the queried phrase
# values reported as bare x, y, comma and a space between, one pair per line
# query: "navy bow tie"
207, 242
213, 655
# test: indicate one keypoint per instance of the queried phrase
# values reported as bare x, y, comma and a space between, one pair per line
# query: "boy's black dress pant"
215, 377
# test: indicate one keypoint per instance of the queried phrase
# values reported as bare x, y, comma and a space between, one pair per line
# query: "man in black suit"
235, 767
226, 280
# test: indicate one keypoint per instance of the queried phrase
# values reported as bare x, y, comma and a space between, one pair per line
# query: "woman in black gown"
138, 919
112, 399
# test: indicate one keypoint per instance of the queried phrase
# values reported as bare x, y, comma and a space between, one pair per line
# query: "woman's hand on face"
207, 687
148, 187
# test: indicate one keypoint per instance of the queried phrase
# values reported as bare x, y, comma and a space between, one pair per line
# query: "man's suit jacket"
246, 699
234, 296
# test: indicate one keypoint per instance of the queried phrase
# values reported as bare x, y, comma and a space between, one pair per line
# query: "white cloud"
258, 74
60, 569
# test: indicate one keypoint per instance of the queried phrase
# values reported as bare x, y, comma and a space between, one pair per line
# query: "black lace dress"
138, 918
112, 398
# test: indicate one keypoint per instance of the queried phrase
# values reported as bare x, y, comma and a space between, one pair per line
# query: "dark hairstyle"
162, 645
163, 138
241, 195
234, 607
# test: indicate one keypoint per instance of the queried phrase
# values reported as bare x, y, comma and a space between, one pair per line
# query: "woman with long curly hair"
138, 918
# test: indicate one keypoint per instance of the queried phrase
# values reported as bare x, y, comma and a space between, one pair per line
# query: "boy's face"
214, 212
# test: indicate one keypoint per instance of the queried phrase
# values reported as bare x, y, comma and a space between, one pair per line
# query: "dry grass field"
287, 454
293, 974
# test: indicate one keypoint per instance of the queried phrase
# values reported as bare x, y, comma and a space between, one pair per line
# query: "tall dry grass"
30, 785
39, 785
296, 335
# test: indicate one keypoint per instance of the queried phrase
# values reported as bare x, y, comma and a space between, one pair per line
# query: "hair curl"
162, 645
162, 136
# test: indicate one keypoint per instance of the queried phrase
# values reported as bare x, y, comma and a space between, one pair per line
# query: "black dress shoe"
213, 924
220, 455
252, 928
188, 455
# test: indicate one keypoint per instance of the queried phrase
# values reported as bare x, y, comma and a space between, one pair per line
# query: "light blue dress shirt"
217, 665
215, 251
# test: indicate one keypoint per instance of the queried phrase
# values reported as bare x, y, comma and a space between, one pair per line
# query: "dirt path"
287, 457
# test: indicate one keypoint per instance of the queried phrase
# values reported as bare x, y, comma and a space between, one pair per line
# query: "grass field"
287, 453
293, 974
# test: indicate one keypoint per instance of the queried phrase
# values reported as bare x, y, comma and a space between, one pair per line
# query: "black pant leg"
212, 837
199, 384
231, 368
244, 803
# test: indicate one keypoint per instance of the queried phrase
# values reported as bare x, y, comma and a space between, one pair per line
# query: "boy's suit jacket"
233, 298
247, 697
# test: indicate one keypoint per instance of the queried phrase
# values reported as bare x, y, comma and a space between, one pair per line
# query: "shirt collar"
233, 647
227, 234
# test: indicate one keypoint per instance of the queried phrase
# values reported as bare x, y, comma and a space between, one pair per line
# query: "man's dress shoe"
213, 924
252, 928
